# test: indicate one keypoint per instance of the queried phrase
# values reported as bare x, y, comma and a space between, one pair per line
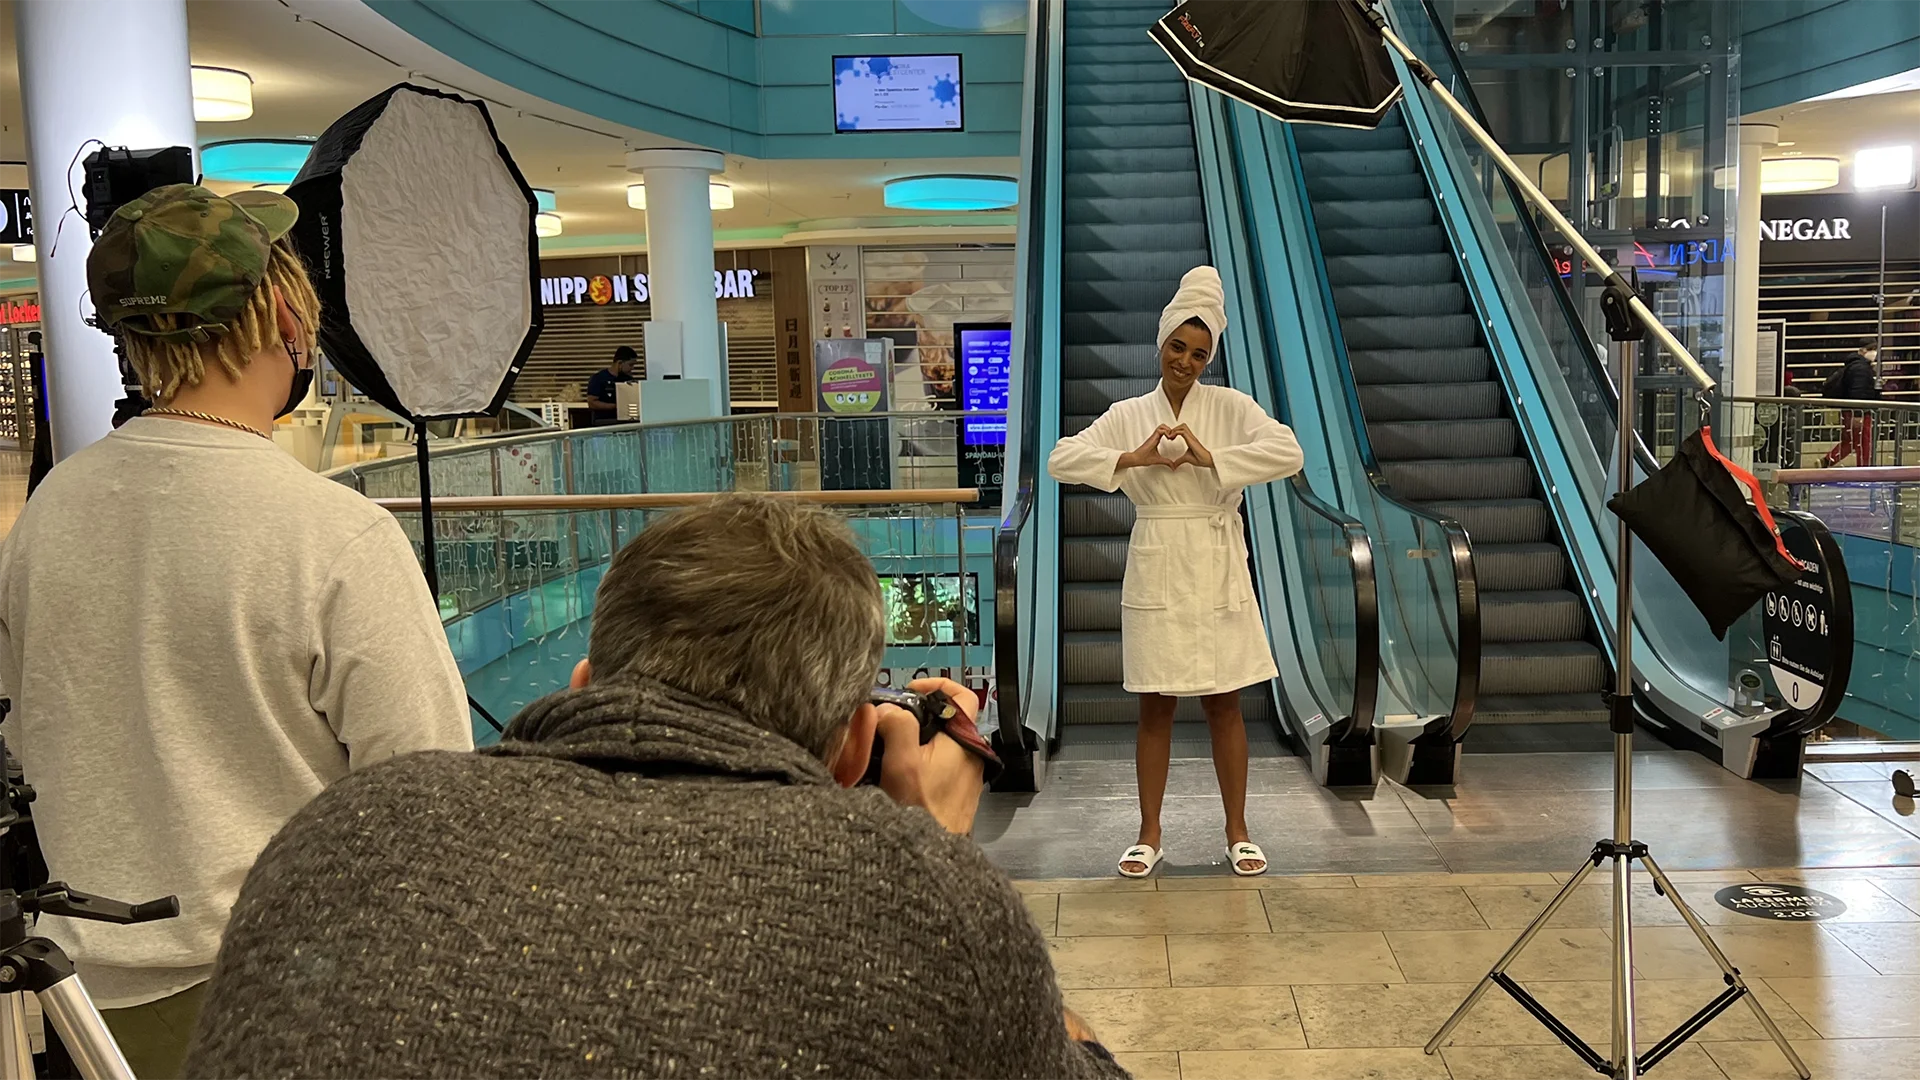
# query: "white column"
680, 256
116, 71
1740, 376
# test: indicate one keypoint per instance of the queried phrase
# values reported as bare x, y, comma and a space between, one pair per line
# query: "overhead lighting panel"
952, 193
1883, 167
221, 94
719, 196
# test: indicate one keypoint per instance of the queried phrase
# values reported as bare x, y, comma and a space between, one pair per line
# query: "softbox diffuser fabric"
418, 231
1303, 61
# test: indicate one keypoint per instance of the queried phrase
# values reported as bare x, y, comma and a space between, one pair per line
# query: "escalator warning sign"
1800, 645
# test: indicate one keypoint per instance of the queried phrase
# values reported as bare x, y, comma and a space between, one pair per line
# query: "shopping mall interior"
941, 236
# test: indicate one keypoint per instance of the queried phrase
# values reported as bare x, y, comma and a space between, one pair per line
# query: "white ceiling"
1836, 127
312, 60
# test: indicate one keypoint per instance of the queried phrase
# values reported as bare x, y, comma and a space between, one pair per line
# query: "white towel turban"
1200, 296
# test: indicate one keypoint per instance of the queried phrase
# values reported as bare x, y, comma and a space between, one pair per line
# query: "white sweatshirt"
198, 635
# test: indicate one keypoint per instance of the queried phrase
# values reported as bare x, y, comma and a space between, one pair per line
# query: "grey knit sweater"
634, 883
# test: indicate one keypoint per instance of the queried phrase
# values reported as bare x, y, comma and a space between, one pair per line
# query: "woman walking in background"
1189, 623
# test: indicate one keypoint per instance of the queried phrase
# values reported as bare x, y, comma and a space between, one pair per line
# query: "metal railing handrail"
669, 499
1863, 474
1826, 403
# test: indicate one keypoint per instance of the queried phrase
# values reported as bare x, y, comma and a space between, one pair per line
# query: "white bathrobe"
1189, 622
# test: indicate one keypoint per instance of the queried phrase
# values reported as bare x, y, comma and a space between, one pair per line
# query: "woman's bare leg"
1153, 749
1228, 730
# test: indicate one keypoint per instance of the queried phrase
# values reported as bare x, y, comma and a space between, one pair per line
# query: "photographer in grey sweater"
663, 871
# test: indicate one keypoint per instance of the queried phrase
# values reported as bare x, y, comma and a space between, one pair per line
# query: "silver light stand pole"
1628, 321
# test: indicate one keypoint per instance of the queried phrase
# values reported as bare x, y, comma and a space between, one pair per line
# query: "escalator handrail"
1366, 608
1466, 687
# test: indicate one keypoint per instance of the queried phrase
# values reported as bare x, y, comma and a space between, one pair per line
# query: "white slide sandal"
1246, 851
1140, 853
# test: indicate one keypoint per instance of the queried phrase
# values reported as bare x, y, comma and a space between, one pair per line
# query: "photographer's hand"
941, 776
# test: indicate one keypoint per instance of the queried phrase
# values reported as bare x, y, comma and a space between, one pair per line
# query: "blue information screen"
985, 360
897, 93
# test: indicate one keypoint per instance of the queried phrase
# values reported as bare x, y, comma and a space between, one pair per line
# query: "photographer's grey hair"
764, 606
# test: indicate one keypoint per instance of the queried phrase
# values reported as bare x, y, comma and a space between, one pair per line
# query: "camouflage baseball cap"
182, 250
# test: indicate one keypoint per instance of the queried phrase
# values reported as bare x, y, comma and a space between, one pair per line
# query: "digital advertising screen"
984, 360
931, 609
897, 93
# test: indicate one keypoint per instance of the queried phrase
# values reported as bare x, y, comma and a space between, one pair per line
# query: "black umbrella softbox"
1305, 61
418, 230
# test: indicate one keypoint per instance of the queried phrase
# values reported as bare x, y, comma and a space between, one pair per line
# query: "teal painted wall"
1791, 50
695, 69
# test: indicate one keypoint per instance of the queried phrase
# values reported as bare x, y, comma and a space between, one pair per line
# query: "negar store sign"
1829, 228
625, 289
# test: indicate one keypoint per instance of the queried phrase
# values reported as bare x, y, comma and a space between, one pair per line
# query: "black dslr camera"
937, 714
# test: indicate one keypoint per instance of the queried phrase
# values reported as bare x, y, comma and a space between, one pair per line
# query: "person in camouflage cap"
198, 632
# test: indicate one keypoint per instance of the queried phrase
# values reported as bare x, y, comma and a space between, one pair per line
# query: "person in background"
665, 870
600, 391
198, 634
1857, 380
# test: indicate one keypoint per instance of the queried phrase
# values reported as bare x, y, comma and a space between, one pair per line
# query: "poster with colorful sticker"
851, 374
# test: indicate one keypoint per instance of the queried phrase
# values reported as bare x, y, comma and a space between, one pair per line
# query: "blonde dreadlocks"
167, 366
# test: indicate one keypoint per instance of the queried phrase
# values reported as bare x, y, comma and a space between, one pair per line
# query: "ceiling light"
546, 223
952, 193
25, 253
1883, 167
719, 196
254, 161
1781, 176
221, 94
544, 198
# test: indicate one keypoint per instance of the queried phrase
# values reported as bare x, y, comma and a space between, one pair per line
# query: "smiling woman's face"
1184, 355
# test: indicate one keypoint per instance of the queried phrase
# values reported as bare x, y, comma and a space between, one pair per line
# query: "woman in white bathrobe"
1189, 622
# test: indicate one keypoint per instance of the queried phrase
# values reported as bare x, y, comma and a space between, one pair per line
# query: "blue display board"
983, 361
897, 93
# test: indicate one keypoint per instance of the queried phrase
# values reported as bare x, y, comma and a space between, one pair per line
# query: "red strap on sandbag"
1753, 488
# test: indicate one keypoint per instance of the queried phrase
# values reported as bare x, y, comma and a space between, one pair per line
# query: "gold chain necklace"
211, 419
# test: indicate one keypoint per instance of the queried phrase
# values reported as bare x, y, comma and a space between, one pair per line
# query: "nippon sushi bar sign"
736, 284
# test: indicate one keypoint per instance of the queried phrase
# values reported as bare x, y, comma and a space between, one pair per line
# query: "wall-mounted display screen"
897, 93
931, 609
984, 361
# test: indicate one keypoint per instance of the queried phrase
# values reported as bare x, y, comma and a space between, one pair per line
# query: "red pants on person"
1856, 438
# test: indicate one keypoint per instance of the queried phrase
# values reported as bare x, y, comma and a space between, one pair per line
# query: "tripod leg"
16, 1052
1513, 953
84, 1032
1625, 1067
1727, 969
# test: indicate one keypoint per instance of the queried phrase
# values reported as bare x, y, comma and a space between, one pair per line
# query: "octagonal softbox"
418, 231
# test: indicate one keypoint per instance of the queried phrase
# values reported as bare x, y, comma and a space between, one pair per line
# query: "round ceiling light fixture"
25, 253
952, 193
221, 94
719, 196
255, 161
1779, 176
546, 223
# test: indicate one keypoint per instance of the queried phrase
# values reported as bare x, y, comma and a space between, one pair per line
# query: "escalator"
1442, 426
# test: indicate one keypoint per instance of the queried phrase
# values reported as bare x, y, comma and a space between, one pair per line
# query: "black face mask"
302, 377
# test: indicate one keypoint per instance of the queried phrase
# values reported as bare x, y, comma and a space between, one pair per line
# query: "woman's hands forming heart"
1147, 454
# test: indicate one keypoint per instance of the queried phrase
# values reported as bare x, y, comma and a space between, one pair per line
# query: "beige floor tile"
1227, 912
1373, 909
1407, 1015
1151, 1065
1512, 907
1660, 1005
1556, 1062
1878, 1006
1761, 950
1280, 959
1223, 880
1191, 1018
1906, 890
1897, 872
1375, 1064
1815, 874
1045, 909
1415, 881
1680, 877
1465, 955
1115, 883
1892, 948
1109, 962
1833, 1059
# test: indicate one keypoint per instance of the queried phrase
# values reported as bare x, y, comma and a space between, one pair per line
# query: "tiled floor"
1345, 977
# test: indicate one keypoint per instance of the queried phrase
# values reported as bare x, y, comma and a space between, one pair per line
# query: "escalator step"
1079, 34
1498, 521
1127, 266
1075, 423
1403, 439
1078, 116
1090, 605
1321, 164
1519, 567
1110, 361
1459, 478
1584, 708
1130, 185
1543, 667
1190, 239
1094, 395
1134, 17
1128, 137
1373, 214
1354, 300
1093, 558
1410, 331
1134, 49
1151, 159
1130, 296
1534, 615
1085, 92
1110, 705
1091, 656
1084, 513
1390, 135
1372, 366
1390, 186
1390, 270
1138, 73
1109, 327
1414, 401
1398, 240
